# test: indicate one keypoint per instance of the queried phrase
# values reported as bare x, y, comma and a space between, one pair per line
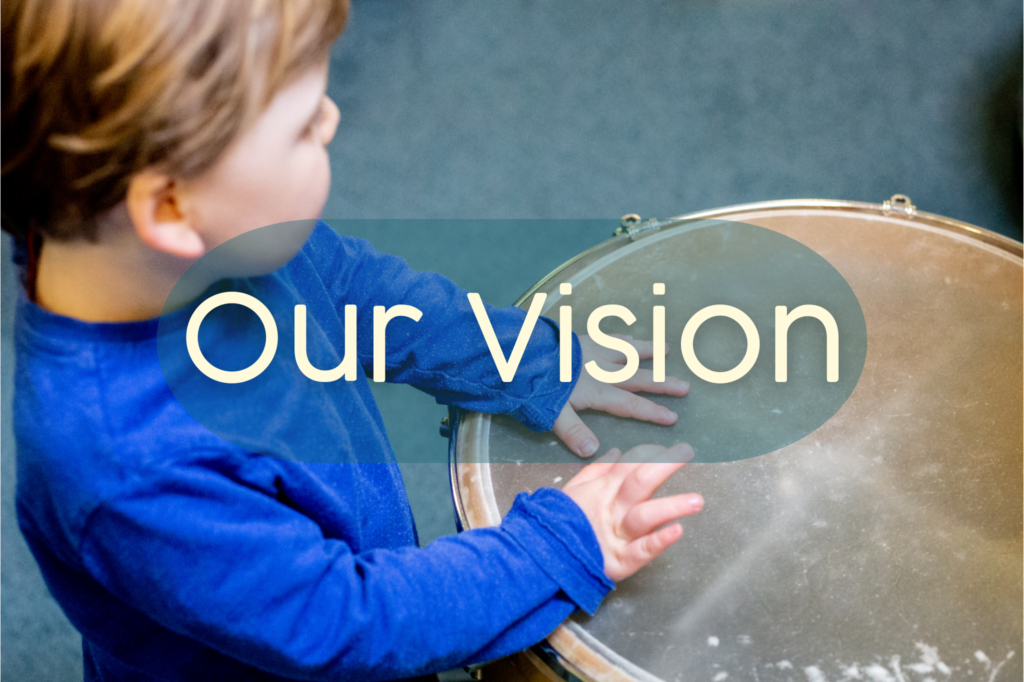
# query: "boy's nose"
329, 123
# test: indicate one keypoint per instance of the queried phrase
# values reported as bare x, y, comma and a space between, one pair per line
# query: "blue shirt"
184, 555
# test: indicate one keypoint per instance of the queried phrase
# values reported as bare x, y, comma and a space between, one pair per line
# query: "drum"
886, 545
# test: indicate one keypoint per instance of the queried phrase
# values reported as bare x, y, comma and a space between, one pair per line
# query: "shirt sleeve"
444, 353
231, 567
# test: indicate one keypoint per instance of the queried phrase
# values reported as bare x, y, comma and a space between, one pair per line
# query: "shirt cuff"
553, 530
540, 412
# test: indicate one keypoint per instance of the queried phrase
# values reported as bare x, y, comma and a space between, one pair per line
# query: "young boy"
138, 137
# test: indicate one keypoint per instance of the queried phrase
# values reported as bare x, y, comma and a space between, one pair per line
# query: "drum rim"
569, 636
1011, 246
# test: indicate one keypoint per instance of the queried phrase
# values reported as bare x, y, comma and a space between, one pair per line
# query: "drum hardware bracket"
631, 226
446, 428
898, 203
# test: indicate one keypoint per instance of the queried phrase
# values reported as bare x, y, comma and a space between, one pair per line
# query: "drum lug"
899, 203
635, 229
445, 429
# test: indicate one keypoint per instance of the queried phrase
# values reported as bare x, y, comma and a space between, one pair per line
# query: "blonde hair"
95, 91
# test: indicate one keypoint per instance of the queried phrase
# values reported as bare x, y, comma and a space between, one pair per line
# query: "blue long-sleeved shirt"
184, 555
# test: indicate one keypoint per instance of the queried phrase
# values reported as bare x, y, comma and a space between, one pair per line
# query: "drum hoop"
1011, 246
592, 659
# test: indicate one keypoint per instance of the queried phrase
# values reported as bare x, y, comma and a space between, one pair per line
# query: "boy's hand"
617, 399
616, 498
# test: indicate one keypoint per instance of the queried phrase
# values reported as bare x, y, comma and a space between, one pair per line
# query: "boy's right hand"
616, 497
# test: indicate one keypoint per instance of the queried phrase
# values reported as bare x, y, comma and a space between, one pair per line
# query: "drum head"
886, 545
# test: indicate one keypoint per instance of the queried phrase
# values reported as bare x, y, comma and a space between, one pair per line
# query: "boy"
139, 137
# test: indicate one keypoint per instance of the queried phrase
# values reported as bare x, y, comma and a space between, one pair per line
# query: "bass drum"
886, 545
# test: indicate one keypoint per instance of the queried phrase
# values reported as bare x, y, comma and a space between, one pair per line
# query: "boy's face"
278, 170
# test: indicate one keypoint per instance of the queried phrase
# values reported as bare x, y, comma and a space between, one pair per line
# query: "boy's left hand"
618, 399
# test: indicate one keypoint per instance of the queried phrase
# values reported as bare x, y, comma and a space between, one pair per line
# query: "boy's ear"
158, 213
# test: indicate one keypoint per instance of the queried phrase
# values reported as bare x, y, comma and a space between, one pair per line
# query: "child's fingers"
625, 404
637, 456
641, 483
599, 467
646, 516
644, 348
574, 433
643, 550
643, 380
644, 480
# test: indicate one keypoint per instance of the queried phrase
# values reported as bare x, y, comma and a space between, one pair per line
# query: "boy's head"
105, 100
